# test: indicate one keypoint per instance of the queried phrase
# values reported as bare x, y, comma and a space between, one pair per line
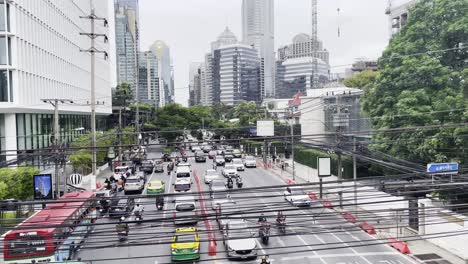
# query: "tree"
362, 80
122, 95
420, 72
17, 183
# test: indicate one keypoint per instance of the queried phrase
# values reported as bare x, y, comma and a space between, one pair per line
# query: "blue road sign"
442, 168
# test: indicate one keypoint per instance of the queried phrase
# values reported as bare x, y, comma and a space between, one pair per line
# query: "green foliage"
17, 183
362, 80
408, 87
122, 95
82, 160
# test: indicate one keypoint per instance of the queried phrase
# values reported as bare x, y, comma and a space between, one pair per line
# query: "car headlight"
195, 250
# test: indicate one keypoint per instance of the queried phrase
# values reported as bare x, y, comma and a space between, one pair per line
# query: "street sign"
265, 128
324, 166
443, 168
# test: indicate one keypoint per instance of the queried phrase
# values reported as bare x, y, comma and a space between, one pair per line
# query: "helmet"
138, 205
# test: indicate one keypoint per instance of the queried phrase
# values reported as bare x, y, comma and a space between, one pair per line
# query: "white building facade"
239, 74
41, 59
398, 12
258, 30
149, 85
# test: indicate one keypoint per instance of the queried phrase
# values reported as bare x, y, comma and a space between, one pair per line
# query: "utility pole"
55, 103
120, 134
93, 50
292, 144
355, 171
338, 138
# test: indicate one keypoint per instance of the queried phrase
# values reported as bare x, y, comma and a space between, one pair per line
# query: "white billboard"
265, 128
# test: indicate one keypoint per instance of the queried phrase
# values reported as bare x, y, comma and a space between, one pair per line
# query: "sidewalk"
378, 212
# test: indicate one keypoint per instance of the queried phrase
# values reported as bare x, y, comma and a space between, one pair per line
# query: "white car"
211, 175
196, 148
122, 170
239, 241
134, 184
182, 185
229, 170
239, 164
219, 199
185, 212
250, 162
296, 196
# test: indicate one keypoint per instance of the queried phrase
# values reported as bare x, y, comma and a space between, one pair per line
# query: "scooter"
122, 236
281, 224
239, 182
138, 218
230, 185
160, 204
264, 233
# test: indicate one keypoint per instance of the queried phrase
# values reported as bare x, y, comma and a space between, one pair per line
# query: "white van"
183, 172
182, 185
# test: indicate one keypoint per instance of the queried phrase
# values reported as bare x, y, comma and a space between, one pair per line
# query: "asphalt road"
308, 231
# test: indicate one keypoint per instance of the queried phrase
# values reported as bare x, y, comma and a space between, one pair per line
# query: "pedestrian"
274, 158
282, 165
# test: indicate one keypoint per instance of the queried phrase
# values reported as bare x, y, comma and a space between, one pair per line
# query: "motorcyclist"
239, 181
280, 217
159, 202
230, 183
262, 219
122, 227
138, 211
265, 260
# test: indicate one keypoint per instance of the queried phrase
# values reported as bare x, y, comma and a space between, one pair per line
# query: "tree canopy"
421, 82
17, 183
122, 95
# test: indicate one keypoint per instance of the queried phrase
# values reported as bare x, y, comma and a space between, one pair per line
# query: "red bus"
54, 233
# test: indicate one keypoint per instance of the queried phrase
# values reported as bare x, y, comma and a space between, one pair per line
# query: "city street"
308, 229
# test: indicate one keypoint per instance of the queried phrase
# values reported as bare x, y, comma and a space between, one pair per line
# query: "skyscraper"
126, 39
258, 32
148, 79
162, 52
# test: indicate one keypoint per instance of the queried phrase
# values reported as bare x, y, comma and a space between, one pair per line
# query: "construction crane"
314, 38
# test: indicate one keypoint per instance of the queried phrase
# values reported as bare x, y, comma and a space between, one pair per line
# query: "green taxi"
156, 187
185, 244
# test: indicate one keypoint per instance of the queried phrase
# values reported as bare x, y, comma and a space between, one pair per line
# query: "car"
207, 148
228, 157
229, 212
220, 152
185, 245
229, 170
237, 153
296, 196
200, 156
155, 187
159, 167
134, 184
217, 186
185, 212
122, 170
182, 185
219, 160
239, 241
210, 175
250, 162
212, 154
183, 172
239, 164
219, 199
196, 148
184, 164
121, 207
147, 166
166, 157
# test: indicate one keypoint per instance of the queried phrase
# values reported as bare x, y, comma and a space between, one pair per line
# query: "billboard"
324, 166
265, 128
43, 187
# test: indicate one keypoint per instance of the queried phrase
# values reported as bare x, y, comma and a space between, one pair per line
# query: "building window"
4, 86
4, 16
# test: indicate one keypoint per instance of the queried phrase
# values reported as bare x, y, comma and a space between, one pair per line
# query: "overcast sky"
189, 26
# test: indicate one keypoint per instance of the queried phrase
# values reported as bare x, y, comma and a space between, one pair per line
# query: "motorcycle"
265, 260
122, 236
281, 224
230, 185
239, 182
264, 233
160, 203
138, 218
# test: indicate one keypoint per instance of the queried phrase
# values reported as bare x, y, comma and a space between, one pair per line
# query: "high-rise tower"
258, 32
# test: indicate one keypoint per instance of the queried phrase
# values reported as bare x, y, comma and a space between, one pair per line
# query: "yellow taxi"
185, 244
156, 187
